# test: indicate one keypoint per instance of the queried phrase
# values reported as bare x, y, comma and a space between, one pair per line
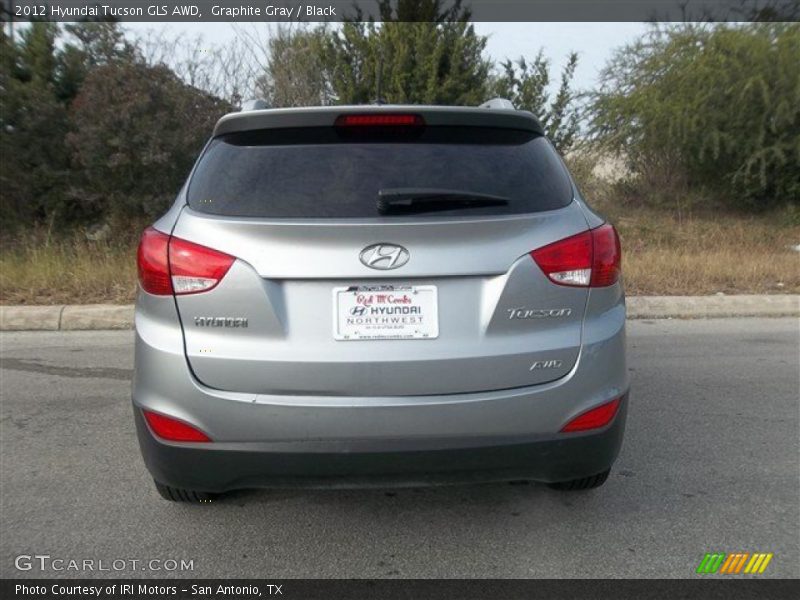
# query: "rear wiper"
431, 199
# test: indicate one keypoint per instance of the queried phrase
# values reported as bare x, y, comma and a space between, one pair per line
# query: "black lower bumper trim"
207, 469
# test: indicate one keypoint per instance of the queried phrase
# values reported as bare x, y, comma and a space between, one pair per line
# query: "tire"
181, 495
584, 483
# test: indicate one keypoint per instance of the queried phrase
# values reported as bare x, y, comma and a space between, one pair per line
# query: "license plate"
385, 312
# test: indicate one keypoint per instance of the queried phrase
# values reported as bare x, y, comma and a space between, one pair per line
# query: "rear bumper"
224, 467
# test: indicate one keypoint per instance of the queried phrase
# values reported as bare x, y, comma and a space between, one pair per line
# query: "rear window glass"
330, 173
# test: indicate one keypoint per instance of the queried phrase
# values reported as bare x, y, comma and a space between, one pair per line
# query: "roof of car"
324, 116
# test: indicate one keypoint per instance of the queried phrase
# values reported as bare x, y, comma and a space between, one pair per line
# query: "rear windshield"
329, 173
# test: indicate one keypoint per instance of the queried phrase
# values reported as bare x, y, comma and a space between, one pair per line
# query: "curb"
66, 317
109, 316
95, 316
706, 307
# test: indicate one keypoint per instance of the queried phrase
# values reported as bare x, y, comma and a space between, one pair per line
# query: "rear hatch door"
332, 295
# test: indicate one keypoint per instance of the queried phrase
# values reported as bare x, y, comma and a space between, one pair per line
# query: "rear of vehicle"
370, 294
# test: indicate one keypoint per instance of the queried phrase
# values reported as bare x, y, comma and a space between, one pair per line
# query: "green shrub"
711, 107
136, 131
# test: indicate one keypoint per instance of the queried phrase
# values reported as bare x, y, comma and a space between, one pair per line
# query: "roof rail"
502, 103
254, 104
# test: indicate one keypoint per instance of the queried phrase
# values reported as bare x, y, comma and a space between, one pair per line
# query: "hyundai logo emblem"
384, 256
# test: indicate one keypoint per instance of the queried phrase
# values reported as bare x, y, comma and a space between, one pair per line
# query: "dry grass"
678, 241
696, 255
37, 268
665, 253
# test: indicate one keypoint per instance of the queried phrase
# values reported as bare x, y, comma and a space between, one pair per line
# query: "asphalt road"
711, 462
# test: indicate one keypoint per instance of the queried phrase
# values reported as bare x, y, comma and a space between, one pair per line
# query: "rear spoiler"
490, 114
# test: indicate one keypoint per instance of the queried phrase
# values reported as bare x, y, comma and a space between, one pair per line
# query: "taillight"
568, 261
595, 418
153, 262
607, 261
591, 258
169, 428
196, 268
379, 120
170, 265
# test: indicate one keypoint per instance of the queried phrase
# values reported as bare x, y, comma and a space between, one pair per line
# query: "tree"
136, 131
716, 106
40, 74
33, 122
101, 43
295, 68
527, 84
87, 45
226, 71
439, 61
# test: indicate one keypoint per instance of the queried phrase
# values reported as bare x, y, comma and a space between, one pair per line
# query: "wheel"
181, 495
584, 483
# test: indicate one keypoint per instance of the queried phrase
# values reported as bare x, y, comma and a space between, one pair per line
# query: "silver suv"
378, 294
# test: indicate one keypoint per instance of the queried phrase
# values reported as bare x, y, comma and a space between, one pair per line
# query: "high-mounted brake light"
592, 258
379, 120
170, 265
172, 429
595, 418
